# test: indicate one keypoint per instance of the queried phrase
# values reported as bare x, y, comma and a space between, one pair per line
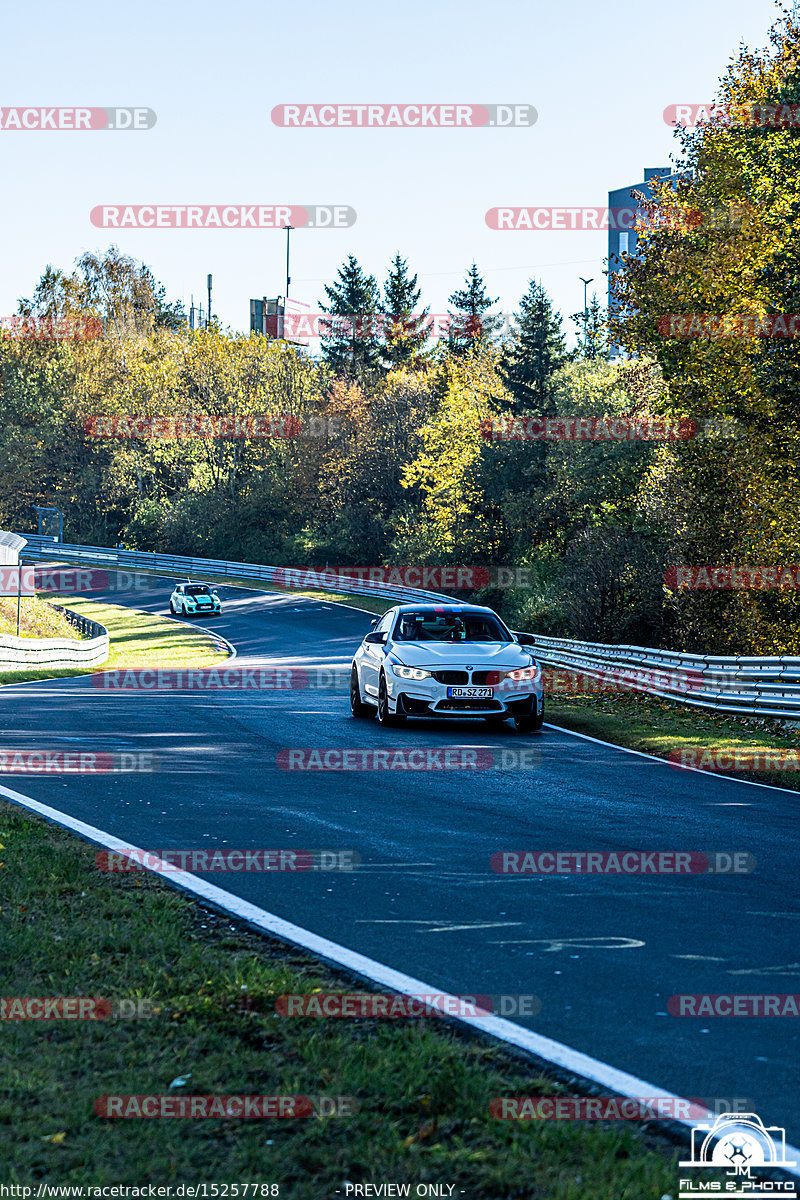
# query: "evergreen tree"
350, 340
534, 352
593, 324
405, 327
469, 325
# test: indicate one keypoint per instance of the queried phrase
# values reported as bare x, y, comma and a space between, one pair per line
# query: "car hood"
443, 655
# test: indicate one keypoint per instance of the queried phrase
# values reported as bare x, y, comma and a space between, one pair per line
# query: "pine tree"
469, 326
593, 324
534, 352
350, 340
404, 326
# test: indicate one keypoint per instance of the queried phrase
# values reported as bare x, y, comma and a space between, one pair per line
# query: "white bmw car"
447, 660
189, 599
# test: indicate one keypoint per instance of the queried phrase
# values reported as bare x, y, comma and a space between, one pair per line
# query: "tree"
405, 329
169, 314
350, 340
593, 322
735, 501
446, 469
535, 351
470, 327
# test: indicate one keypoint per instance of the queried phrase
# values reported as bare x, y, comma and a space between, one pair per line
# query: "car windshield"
427, 625
197, 591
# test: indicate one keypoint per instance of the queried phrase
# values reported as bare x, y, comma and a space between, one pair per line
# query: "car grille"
487, 677
482, 678
467, 705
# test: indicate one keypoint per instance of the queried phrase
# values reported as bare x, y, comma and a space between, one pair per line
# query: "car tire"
358, 708
386, 718
528, 722
172, 608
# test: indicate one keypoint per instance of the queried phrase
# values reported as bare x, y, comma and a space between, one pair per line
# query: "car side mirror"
375, 639
526, 639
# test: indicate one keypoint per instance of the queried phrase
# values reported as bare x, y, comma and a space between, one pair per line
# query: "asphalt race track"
602, 953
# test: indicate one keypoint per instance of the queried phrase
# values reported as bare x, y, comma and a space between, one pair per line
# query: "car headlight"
410, 672
523, 673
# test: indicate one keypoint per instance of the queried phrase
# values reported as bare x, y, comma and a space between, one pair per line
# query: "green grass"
422, 1086
37, 619
658, 727
137, 640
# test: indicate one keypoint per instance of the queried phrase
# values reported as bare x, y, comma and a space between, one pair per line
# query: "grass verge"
423, 1088
38, 619
659, 727
137, 640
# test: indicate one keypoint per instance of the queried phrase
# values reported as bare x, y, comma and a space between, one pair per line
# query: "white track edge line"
772, 787
560, 1055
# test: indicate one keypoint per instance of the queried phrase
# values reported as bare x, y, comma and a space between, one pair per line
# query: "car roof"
453, 606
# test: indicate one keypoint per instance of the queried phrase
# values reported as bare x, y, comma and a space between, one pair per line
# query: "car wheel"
529, 723
384, 716
357, 706
172, 608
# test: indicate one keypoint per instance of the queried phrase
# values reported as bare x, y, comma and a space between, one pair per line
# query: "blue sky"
599, 76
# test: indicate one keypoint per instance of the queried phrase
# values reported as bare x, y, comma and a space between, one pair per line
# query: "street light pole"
288, 229
208, 314
19, 589
585, 283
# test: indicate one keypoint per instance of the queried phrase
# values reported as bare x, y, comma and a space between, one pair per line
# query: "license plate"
470, 693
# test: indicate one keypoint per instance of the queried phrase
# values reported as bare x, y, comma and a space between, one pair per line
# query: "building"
282, 318
623, 210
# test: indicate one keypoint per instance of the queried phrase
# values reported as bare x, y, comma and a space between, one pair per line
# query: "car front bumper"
428, 698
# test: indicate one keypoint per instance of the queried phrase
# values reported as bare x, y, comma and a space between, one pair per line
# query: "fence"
169, 564
765, 687
57, 653
762, 687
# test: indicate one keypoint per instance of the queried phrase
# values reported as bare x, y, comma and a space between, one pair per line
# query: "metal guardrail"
57, 653
145, 560
86, 628
748, 686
